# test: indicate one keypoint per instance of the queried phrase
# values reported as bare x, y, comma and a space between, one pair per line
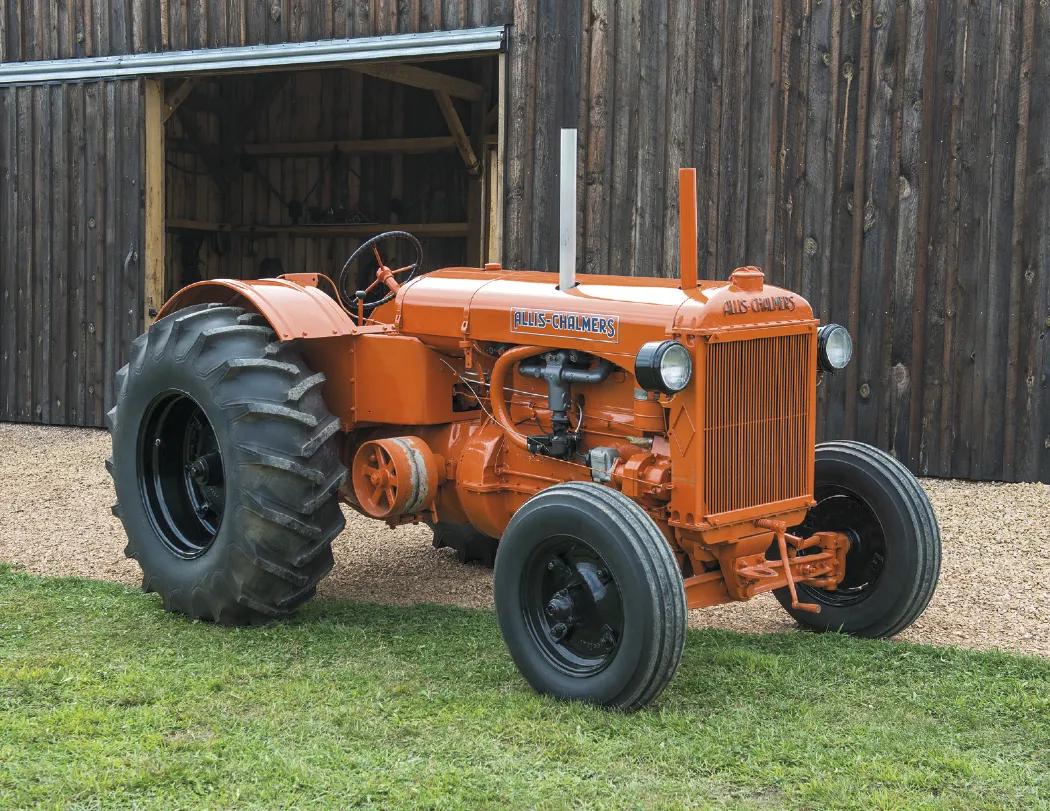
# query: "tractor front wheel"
894, 556
226, 466
589, 597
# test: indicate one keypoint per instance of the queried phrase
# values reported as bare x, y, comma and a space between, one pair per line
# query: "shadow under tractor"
638, 446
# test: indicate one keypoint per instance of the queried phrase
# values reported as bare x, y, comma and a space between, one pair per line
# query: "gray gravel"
54, 519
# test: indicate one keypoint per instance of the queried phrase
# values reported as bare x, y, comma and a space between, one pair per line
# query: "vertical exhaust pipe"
567, 211
687, 228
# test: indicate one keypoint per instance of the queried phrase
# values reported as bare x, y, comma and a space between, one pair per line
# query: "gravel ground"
54, 519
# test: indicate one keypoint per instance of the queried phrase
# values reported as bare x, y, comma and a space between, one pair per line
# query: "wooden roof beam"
424, 79
459, 135
377, 146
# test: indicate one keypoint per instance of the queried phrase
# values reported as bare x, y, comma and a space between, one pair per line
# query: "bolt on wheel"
572, 605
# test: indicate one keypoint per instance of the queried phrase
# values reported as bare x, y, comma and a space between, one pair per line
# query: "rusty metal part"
395, 476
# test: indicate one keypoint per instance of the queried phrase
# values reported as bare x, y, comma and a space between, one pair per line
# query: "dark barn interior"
287, 172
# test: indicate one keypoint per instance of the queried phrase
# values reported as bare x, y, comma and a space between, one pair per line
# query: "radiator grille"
756, 424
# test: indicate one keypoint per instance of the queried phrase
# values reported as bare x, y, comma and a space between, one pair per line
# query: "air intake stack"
567, 206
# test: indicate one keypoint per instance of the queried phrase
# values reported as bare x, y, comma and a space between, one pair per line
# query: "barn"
887, 159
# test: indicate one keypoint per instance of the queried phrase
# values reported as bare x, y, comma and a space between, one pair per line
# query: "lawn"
107, 701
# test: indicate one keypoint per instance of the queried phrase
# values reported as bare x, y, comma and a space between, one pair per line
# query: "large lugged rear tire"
895, 544
589, 597
226, 466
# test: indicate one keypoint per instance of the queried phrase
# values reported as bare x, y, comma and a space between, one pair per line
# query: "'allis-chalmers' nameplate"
584, 326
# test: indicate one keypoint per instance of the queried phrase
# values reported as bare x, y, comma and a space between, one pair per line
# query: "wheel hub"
573, 606
181, 474
839, 510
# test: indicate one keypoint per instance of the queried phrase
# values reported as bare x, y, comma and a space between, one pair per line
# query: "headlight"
834, 347
663, 366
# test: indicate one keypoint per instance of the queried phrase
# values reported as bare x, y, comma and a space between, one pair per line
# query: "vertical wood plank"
680, 65
978, 123
758, 135
41, 267
836, 391
714, 200
497, 210
624, 138
859, 211
651, 145
522, 60
878, 226
991, 328
94, 157
59, 269
544, 153
112, 153
9, 215
153, 251
601, 99
1015, 363
948, 250
26, 258
908, 253
77, 213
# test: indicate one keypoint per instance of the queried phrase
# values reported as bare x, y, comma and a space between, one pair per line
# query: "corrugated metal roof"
470, 41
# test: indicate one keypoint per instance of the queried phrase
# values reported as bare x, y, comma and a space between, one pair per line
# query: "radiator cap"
748, 279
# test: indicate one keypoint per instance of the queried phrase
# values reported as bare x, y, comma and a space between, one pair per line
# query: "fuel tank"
610, 316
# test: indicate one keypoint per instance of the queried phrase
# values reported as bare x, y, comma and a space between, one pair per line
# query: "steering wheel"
374, 282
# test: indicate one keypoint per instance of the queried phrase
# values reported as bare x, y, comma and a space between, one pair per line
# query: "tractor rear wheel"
589, 597
226, 466
894, 557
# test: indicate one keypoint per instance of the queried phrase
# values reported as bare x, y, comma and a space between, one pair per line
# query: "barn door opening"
251, 175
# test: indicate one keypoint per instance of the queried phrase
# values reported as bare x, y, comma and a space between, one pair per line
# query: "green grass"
107, 701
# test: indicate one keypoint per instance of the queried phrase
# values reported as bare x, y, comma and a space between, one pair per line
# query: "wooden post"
153, 253
495, 239
477, 211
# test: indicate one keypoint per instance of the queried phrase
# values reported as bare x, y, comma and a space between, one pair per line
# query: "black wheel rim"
181, 473
839, 509
572, 606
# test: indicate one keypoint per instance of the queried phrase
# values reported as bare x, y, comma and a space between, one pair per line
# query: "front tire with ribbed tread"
280, 455
634, 555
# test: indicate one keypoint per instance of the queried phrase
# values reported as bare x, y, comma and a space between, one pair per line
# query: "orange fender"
293, 310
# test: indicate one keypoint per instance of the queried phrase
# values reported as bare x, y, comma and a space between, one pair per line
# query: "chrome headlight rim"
650, 370
826, 335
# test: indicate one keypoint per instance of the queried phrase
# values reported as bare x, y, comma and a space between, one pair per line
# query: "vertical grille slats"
756, 424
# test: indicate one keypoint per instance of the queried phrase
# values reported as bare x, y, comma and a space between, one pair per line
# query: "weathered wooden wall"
887, 159
71, 228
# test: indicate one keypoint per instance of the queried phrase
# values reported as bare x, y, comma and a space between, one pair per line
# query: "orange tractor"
638, 446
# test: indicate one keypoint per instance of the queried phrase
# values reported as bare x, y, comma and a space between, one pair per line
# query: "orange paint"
431, 398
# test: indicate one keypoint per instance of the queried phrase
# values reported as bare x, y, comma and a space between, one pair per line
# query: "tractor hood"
605, 315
